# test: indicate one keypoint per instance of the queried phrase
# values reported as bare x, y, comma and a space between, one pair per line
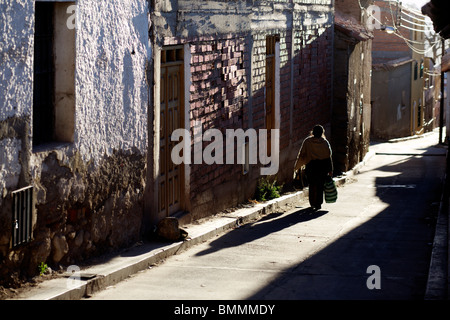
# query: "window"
421, 69
22, 217
270, 86
246, 160
53, 75
416, 70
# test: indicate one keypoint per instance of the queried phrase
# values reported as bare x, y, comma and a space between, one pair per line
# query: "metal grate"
22, 215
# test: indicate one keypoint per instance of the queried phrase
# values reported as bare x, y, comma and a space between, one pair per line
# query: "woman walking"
315, 153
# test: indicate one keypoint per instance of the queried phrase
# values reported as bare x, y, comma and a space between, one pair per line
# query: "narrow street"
384, 217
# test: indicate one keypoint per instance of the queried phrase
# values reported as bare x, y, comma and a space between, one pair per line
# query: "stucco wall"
112, 90
88, 193
16, 58
391, 108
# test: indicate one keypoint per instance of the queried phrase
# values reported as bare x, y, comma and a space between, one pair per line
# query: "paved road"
384, 218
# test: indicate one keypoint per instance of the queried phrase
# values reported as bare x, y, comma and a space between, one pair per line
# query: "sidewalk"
130, 261
135, 259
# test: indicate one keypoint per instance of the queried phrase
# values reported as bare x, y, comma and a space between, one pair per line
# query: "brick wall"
218, 95
312, 91
388, 46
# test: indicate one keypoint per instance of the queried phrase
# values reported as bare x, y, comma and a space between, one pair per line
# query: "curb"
136, 259
437, 275
133, 260
139, 258
438, 282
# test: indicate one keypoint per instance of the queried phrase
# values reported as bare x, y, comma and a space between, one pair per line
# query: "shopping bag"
330, 190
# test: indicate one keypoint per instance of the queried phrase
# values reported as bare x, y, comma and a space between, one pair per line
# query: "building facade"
73, 130
240, 65
398, 100
94, 91
352, 85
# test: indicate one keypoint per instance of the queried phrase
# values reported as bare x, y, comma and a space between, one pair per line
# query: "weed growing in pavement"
43, 267
266, 190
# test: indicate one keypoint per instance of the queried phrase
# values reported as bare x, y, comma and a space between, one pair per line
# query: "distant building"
398, 99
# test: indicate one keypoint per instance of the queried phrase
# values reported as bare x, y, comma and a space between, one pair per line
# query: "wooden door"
171, 106
270, 89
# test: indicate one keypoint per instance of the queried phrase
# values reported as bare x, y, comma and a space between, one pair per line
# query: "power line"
398, 34
406, 27
419, 19
415, 11
407, 41
413, 29
434, 74
416, 50
415, 23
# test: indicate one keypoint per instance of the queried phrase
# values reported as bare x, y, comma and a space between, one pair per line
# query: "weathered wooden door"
171, 106
270, 89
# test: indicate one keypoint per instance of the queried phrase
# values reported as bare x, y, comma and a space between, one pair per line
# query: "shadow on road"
398, 240
269, 224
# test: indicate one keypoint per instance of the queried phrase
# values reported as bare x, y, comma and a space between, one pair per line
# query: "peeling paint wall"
352, 95
16, 58
112, 44
89, 193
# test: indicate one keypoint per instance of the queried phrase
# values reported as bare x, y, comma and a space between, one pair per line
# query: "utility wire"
415, 11
413, 29
415, 23
407, 41
398, 34
403, 12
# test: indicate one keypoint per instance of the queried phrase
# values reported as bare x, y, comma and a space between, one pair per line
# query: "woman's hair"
318, 131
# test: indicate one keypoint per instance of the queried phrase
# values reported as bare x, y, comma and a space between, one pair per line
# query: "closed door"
170, 179
270, 89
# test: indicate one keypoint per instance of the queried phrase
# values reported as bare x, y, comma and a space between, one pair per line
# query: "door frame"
155, 215
274, 54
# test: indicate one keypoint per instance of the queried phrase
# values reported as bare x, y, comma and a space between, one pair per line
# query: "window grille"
22, 213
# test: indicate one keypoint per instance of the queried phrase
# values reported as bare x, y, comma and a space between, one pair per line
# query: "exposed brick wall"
312, 69
227, 91
285, 88
218, 96
389, 45
259, 80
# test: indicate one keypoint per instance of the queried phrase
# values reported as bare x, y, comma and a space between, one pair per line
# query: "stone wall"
352, 97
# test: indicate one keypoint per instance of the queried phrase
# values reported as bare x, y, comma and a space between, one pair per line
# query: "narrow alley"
150, 150
384, 218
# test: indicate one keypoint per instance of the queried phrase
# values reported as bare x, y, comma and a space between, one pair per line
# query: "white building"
73, 126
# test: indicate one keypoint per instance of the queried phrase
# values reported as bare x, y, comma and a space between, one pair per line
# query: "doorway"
170, 180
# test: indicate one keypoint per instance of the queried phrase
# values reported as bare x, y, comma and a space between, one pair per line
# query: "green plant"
43, 267
266, 190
